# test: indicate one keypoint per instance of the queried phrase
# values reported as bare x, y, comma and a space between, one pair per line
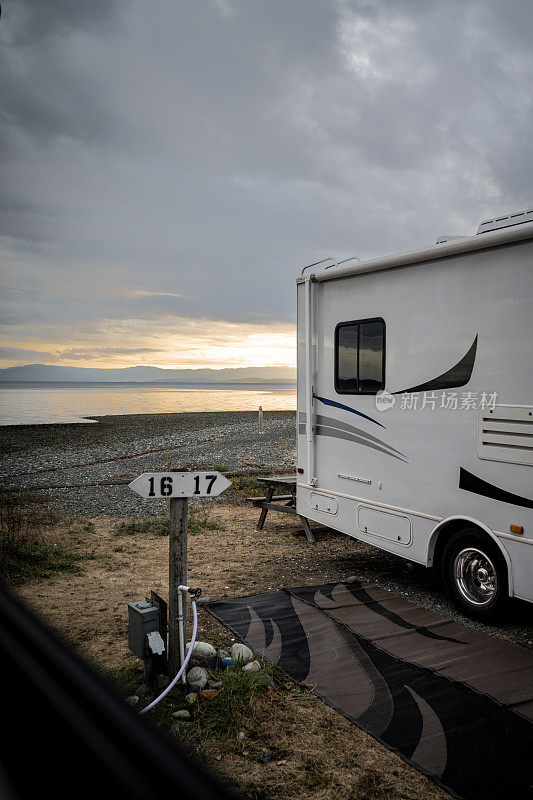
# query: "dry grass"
32, 539
316, 753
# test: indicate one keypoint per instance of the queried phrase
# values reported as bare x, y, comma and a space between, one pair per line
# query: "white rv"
415, 407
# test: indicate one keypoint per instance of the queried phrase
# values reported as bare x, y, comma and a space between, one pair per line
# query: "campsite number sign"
166, 485
178, 487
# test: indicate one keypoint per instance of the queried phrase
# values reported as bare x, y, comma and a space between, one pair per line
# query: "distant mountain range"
47, 372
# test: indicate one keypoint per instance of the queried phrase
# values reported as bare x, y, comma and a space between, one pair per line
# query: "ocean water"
28, 403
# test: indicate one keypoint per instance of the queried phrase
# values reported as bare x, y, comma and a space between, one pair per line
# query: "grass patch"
158, 526
233, 707
198, 521
247, 486
37, 561
29, 549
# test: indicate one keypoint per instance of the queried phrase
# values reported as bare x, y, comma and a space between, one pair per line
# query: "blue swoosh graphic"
347, 408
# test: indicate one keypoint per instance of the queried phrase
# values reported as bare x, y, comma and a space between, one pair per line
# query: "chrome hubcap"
475, 576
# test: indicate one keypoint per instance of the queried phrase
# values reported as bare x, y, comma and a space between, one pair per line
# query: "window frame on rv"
359, 323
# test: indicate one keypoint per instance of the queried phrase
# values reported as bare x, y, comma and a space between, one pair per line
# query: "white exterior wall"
432, 311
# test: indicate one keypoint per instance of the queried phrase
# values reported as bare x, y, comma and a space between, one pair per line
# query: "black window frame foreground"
359, 322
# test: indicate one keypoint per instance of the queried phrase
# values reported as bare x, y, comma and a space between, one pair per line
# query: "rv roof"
511, 232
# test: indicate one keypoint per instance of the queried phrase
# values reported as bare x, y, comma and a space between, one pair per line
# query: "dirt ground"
325, 757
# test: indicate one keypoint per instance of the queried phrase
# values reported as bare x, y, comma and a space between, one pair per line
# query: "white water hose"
183, 666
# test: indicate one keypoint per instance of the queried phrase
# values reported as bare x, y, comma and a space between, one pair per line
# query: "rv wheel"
475, 574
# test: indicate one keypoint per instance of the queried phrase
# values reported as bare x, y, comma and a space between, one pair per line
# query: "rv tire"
475, 575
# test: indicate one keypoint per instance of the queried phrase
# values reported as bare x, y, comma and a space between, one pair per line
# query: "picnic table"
285, 503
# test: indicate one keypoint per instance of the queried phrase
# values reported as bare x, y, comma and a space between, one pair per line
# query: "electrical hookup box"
143, 618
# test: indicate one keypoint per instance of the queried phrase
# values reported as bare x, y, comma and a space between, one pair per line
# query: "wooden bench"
285, 503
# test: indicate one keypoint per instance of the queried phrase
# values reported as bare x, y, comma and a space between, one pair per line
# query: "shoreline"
79, 465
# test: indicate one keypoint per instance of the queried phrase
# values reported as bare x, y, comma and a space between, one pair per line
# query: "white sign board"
166, 485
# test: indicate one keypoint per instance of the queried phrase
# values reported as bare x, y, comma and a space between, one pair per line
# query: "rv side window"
360, 357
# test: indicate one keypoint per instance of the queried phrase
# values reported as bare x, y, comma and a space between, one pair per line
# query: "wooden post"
177, 577
260, 419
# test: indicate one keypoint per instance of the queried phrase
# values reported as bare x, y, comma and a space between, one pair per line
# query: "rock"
252, 666
182, 714
223, 654
202, 650
162, 681
265, 756
142, 691
227, 662
197, 679
210, 663
214, 684
208, 694
351, 579
191, 698
132, 700
240, 652
265, 679
203, 601
241, 736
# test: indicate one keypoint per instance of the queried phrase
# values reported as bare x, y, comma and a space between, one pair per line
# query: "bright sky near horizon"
168, 168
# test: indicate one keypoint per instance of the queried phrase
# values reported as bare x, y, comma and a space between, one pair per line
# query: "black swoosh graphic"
471, 483
459, 375
346, 408
361, 594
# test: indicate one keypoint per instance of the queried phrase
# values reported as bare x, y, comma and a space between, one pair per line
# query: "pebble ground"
67, 460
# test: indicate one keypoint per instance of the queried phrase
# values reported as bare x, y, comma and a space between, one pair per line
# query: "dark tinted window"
347, 357
360, 357
371, 356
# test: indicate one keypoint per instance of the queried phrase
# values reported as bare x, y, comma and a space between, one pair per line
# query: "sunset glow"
171, 343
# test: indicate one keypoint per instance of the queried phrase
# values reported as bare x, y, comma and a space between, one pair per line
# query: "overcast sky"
169, 166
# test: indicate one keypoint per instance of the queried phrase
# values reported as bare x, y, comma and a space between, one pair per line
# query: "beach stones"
252, 666
240, 652
132, 700
208, 694
182, 715
197, 679
202, 650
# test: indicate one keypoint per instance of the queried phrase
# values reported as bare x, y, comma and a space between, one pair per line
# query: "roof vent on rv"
506, 222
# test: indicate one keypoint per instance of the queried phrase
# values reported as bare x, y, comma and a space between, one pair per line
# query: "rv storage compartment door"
384, 524
322, 502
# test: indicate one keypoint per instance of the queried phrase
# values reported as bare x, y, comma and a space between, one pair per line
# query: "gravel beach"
76, 461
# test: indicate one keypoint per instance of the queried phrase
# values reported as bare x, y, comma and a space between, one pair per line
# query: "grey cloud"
210, 149
94, 352
17, 354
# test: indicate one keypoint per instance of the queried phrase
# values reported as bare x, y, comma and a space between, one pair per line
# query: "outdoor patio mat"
455, 703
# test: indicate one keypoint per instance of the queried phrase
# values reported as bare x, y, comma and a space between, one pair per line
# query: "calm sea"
27, 403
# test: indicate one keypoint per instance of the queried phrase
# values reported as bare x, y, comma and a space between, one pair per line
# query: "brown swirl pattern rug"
455, 703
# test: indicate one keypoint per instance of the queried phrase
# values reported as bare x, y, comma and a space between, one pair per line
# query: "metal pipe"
309, 379
316, 263
338, 263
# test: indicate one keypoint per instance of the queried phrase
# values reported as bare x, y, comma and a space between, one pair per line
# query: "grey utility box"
143, 619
